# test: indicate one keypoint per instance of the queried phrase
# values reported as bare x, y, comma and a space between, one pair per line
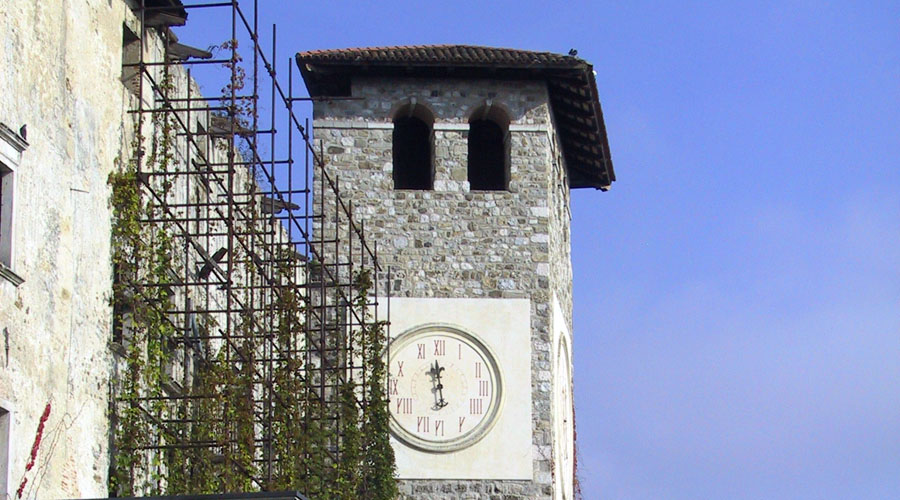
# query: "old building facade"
61, 80
71, 84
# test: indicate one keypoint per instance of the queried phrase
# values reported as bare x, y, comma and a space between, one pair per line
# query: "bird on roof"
573, 52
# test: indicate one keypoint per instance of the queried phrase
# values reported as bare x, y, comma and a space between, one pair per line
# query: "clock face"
444, 388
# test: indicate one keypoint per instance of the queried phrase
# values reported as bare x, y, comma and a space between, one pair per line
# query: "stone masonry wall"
561, 279
454, 242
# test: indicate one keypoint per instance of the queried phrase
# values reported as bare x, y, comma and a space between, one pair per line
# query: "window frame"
11, 148
131, 54
6, 449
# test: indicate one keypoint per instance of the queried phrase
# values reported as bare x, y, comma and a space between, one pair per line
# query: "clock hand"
435, 383
437, 387
440, 386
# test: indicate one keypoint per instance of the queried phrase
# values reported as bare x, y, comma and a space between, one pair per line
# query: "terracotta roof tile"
441, 54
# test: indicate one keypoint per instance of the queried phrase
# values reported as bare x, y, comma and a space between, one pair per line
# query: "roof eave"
317, 72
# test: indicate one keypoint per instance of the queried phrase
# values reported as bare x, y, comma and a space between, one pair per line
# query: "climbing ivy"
143, 267
142, 259
377, 469
329, 444
306, 434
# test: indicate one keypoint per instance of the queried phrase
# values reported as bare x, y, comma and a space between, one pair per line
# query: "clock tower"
459, 161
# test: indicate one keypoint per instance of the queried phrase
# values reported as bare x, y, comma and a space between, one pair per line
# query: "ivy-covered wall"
255, 376
91, 352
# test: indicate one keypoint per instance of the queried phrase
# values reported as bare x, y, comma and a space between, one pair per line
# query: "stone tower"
459, 160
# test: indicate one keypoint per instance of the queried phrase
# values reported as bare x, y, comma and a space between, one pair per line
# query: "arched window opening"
488, 150
412, 148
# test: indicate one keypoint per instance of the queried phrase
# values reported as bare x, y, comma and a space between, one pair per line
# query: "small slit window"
488, 144
131, 55
412, 148
6, 207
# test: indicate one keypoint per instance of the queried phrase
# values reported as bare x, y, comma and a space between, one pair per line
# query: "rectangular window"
5, 423
7, 185
11, 147
131, 55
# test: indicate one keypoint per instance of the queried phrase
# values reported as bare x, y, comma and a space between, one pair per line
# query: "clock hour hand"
437, 387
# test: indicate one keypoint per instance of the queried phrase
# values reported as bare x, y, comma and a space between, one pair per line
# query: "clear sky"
737, 292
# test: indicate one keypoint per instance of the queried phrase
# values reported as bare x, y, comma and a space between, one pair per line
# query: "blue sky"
737, 292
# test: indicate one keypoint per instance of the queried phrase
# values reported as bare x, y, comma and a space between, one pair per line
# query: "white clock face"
444, 388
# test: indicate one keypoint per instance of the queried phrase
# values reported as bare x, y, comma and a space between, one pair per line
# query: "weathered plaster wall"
62, 78
61, 67
457, 243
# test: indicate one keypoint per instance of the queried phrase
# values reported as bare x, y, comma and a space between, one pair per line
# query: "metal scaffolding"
255, 296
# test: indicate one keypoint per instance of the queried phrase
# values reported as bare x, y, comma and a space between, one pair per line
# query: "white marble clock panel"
563, 417
504, 325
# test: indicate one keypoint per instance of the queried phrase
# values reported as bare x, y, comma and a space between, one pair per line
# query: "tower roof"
570, 82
